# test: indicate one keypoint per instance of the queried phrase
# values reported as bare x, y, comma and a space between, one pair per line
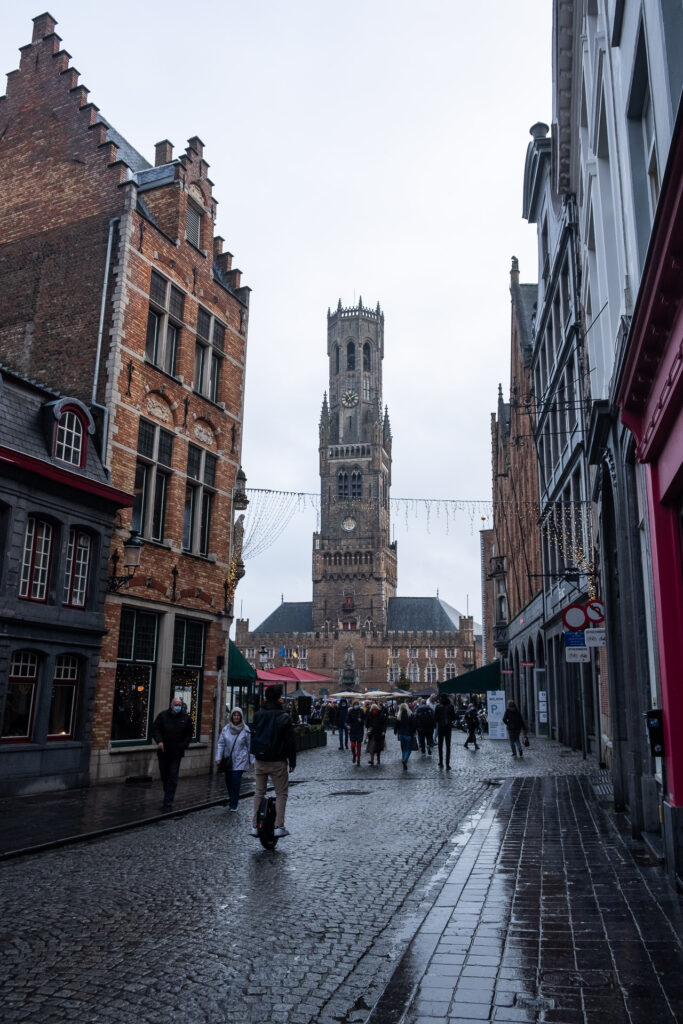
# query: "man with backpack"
424, 717
274, 747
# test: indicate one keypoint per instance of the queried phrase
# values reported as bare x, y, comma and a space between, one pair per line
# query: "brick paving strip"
544, 916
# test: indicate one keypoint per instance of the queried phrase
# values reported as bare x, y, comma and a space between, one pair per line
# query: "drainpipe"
105, 422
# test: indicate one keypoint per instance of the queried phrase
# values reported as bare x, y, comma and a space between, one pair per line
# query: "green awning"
479, 681
239, 669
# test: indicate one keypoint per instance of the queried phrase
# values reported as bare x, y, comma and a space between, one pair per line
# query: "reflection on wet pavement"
545, 916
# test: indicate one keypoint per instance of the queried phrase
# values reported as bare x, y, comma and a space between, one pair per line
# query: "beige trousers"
279, 773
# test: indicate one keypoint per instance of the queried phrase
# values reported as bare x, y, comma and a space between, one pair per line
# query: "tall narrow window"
152, 478
356, 484
194, 226
342, 484
35, 565
17, 722
164, 320
77, 567
366, 357
209, 349
133, 688
69, 439
350, 356
199, 497
63, 704
336, 358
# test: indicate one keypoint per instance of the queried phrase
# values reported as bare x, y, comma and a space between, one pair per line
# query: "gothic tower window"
366, 357
350, 356
336, 358
342, 484
356, 484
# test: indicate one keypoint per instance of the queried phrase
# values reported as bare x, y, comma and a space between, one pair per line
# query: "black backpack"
266, 735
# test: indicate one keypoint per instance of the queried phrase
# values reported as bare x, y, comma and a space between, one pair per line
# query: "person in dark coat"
342, 715
405, 730
376, 725
515, 724
445, 716
172, 732
471, 721
424, 717
275, 761
356, 725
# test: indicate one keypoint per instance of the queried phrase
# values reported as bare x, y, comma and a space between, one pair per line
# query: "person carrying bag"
233, 754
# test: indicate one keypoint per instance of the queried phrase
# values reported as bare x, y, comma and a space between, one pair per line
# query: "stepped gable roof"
289, 617
126, 152
423, 614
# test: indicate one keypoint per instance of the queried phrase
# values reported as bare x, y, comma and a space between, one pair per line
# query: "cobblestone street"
189, 919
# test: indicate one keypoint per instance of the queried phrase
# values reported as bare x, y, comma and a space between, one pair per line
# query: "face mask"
177, 708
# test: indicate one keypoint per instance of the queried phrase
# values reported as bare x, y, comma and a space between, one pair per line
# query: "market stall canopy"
297, 675
376, 695
479, 681
271, 675
238, 666
298, 693
345, 693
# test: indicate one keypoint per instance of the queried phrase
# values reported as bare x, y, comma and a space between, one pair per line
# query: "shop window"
77, 568
152, 478
199, 497
17, 723
35, 564
187, 672
134, 686
62, 723
69, 436
164, 320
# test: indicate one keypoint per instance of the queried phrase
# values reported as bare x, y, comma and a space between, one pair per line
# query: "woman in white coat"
234, 752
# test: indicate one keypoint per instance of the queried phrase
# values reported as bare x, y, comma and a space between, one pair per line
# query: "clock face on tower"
349, 398
348, 524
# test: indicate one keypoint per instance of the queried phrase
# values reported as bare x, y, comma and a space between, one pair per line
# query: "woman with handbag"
234, 754
405, 730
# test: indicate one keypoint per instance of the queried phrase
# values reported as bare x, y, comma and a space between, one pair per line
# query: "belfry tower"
354, 561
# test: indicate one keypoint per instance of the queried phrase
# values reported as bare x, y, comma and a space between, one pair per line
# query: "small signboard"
595, 638
495, 700
575, 646
577, 654
575, 638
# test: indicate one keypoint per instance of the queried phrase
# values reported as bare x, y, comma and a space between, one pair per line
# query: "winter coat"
444, 715
356, 724
174, 730
407, 725
342, 714
235, 746
286, 741
514, 721
424, 716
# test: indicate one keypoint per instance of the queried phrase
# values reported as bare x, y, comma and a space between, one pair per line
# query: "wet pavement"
500, 891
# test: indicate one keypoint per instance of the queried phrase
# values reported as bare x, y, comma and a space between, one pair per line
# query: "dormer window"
194, 226
69, 445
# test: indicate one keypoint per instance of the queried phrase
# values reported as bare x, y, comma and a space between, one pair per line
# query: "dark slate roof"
525, 297
127, 153
289, 617
421, 614
25, 424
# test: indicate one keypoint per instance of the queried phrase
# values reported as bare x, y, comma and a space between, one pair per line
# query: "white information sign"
595, 638
495, 700
577, 654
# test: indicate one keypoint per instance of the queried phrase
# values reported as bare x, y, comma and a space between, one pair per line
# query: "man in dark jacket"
424, 718
342, 724
445, 716
274, 747
172, 732
515, 724
471, 721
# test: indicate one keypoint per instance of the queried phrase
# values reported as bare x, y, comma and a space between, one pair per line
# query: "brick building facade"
115, 289
356, 630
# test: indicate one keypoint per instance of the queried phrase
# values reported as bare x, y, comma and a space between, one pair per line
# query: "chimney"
196, 144
217, 245
514, 271
43, 25
163, 153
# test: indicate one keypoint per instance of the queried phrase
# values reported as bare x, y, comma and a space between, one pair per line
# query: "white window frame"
69, 436
35, 563
77, 570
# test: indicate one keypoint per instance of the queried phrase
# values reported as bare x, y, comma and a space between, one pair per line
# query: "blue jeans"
343, 736
406, 746
233, 782
168, 769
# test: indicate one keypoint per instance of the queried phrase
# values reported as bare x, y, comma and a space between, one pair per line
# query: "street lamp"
132, 550
263, 659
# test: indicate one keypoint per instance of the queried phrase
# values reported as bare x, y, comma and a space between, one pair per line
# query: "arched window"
17, 723
350, 356
69, 439
342, 484
356, 484
431, 674
61, 725
414, 673
366, 357
336, 358
451, 670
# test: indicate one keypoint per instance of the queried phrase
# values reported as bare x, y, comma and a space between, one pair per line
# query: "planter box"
309, 740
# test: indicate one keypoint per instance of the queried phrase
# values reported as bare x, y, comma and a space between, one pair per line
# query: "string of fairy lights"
566, 523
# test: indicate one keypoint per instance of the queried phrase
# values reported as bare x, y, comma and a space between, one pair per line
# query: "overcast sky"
370, 149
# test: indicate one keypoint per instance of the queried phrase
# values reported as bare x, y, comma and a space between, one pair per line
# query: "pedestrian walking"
424, 718
472, 723
376, 725
274, 748
234, 755
342, 716
405, 728
356, 726
515, 724
172, 732
445, 716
